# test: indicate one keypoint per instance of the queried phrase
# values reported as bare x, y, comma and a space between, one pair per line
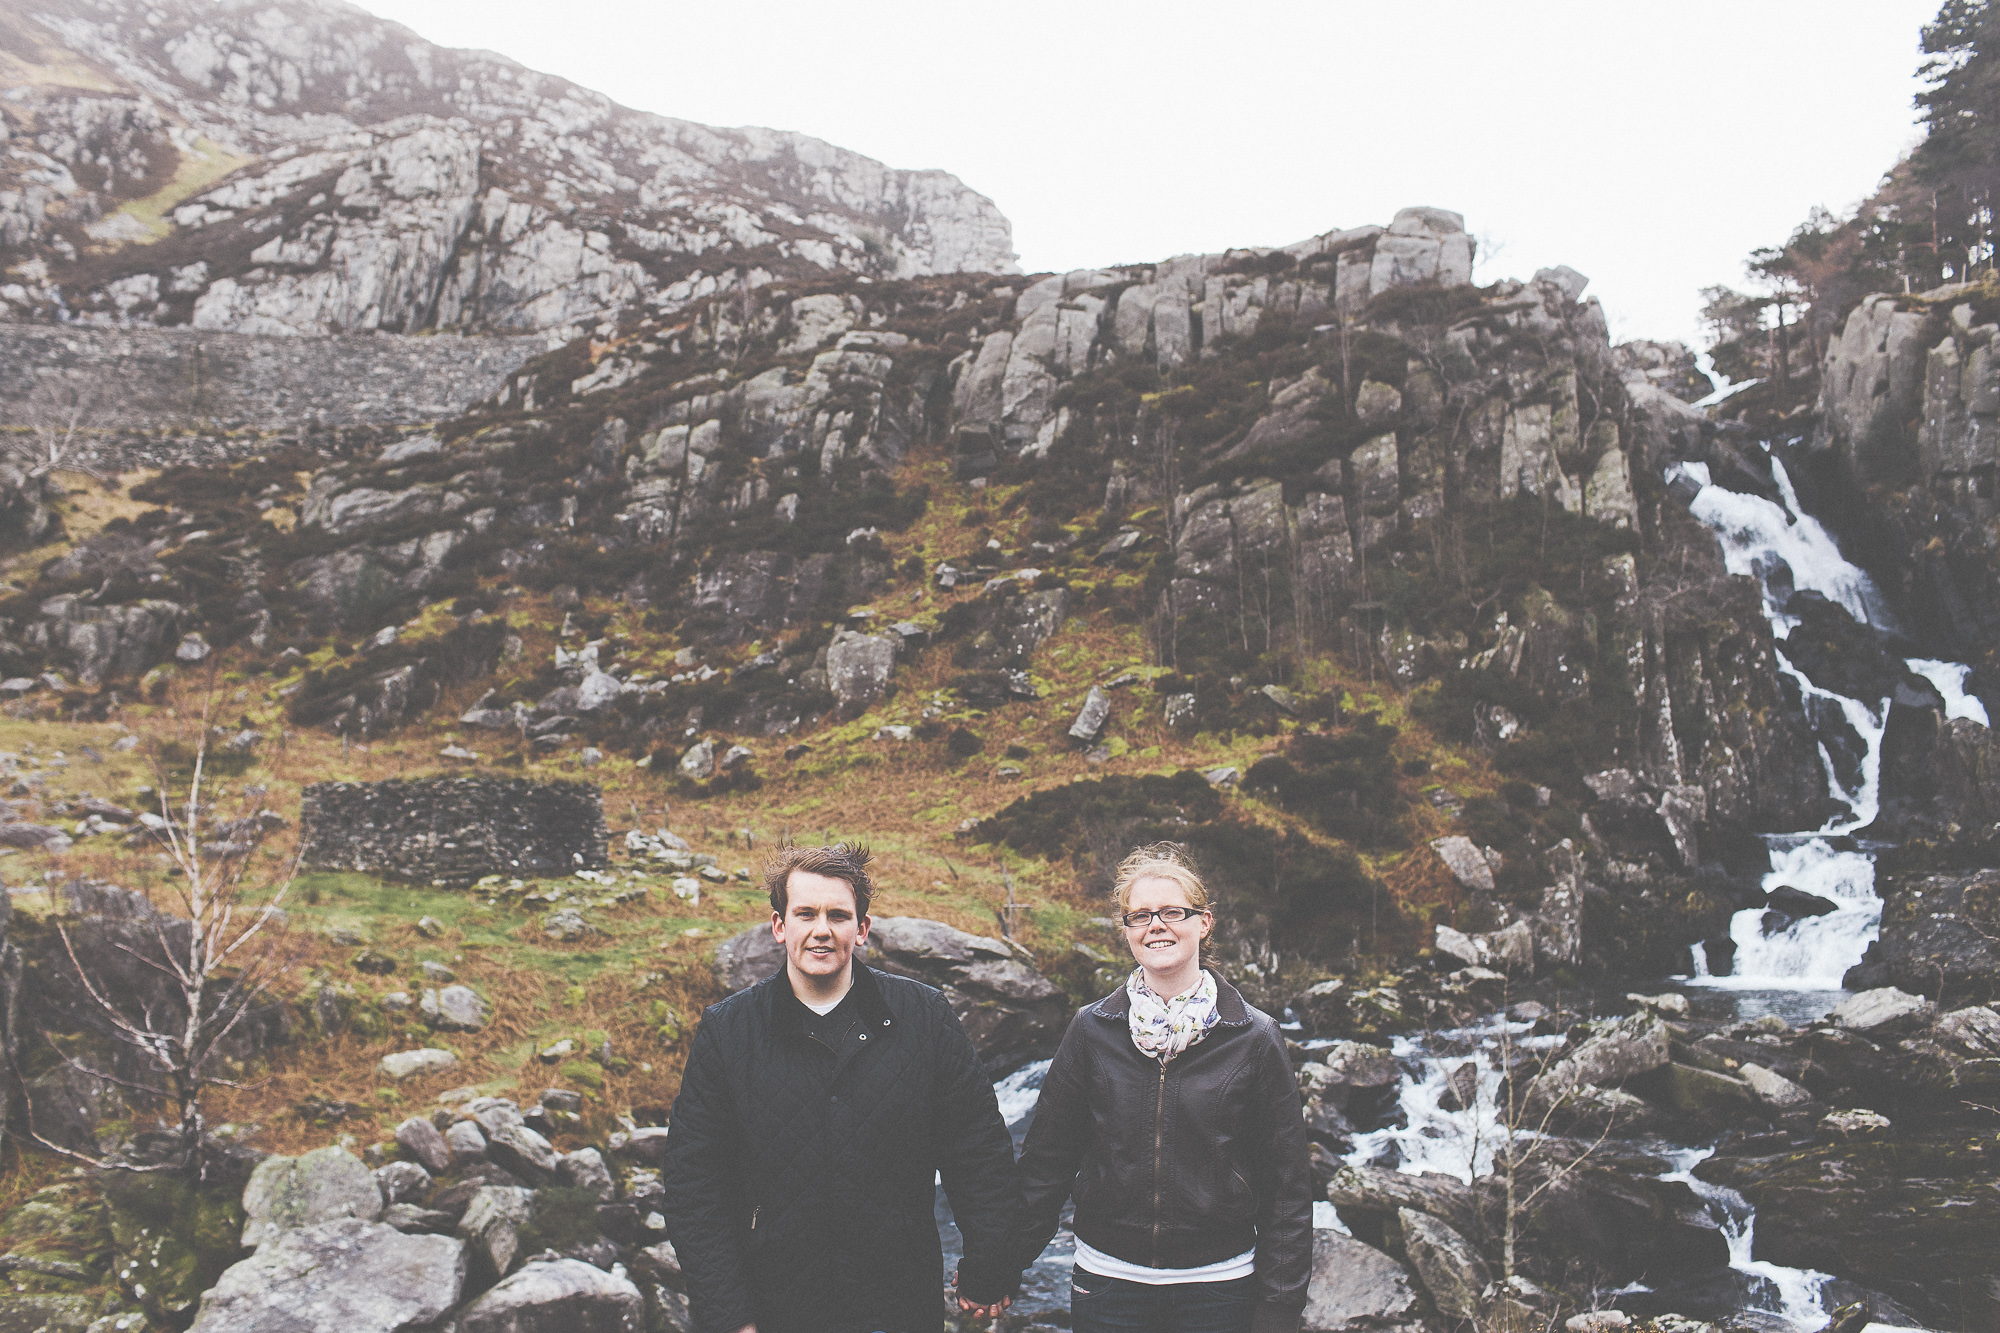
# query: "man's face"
819, 928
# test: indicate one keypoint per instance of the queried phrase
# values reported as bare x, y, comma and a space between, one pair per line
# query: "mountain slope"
303, 167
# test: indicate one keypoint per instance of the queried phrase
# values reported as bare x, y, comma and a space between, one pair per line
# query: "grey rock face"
402, 1181
1937, 930
557, 1296
454, 829
699, 761
466, 1141
374, 216
1468, 865
287, 1193
1354, 1287
103, 643
1623, 1049
340, 1276
522, 1151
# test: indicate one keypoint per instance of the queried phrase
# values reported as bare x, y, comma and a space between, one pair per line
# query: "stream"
1794, 973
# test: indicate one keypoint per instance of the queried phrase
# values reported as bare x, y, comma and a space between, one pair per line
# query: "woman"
1172, 1116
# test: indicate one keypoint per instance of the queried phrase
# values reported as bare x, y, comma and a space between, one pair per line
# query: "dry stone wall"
179, 379
454, 830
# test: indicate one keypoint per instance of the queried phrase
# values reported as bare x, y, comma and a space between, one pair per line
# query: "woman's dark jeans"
1114, 1305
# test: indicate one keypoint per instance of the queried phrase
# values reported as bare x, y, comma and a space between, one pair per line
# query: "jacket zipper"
753, 1216
1159, 1144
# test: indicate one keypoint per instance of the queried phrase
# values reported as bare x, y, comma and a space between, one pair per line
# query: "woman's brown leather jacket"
1182, 1164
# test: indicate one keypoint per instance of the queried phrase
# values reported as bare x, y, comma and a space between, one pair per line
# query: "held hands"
992, 1311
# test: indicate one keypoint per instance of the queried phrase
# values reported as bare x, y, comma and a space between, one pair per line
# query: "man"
817, 1110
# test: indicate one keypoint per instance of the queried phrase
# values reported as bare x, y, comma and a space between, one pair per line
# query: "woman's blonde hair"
1161, 860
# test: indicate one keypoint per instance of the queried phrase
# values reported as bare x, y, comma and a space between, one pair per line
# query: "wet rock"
1774, 1089
558, 1296
1937, 930
1620, 1050
1447, 1265
1883, 1012
1974, 1030
1370, 1200
1354, 1287
341, 1276
288, 1193
1837, 653
1850, 1126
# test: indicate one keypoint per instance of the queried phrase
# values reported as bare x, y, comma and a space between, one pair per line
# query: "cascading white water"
1758, 538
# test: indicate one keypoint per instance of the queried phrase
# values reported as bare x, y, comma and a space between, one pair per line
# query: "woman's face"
1160, 946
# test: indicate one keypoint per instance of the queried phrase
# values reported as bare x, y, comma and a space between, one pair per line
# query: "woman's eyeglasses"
1171, 915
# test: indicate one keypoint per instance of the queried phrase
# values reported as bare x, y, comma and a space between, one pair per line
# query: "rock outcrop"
350, 176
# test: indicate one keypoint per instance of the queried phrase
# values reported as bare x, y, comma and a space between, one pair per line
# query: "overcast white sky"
1650, 146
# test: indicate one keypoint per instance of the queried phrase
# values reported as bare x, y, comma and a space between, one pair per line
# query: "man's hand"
992, 1311
985, 1311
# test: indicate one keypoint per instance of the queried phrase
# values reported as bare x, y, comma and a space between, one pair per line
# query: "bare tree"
213, 956
60, 412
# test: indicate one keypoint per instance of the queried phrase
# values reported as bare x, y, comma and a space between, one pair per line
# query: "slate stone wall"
454, 830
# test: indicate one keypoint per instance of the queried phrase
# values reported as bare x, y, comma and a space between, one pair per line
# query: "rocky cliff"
304, 167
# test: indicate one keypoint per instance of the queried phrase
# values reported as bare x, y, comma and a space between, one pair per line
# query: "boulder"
698, 762
1351, 1088
492, 1223
858, 666
1091, 719
401, 1182
1622, 1049
400, 1065
342, 1276
1371, 1199
1355, 1288
1937, 931
1445, 1262
1467, 864
455, 1009
1974, 1031
1885, 1011
466, 1141
287, 1193
584, 1169
522, 1151
1773, 1089
558, 1296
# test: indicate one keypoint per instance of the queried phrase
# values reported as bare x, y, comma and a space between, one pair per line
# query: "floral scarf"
1165, 1028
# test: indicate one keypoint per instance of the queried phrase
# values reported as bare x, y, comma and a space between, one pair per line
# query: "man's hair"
1161, 860
844, 861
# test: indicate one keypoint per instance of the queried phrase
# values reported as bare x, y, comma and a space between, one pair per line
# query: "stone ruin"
454, 830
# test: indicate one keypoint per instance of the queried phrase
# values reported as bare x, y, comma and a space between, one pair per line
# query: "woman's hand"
977, 1311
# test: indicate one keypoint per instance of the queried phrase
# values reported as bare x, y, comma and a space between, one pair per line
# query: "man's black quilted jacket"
800, 1183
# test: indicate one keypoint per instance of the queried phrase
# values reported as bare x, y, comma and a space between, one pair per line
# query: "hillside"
305, 168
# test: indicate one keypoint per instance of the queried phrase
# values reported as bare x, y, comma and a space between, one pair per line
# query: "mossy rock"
172, 1239
68, 1223
25, 1313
